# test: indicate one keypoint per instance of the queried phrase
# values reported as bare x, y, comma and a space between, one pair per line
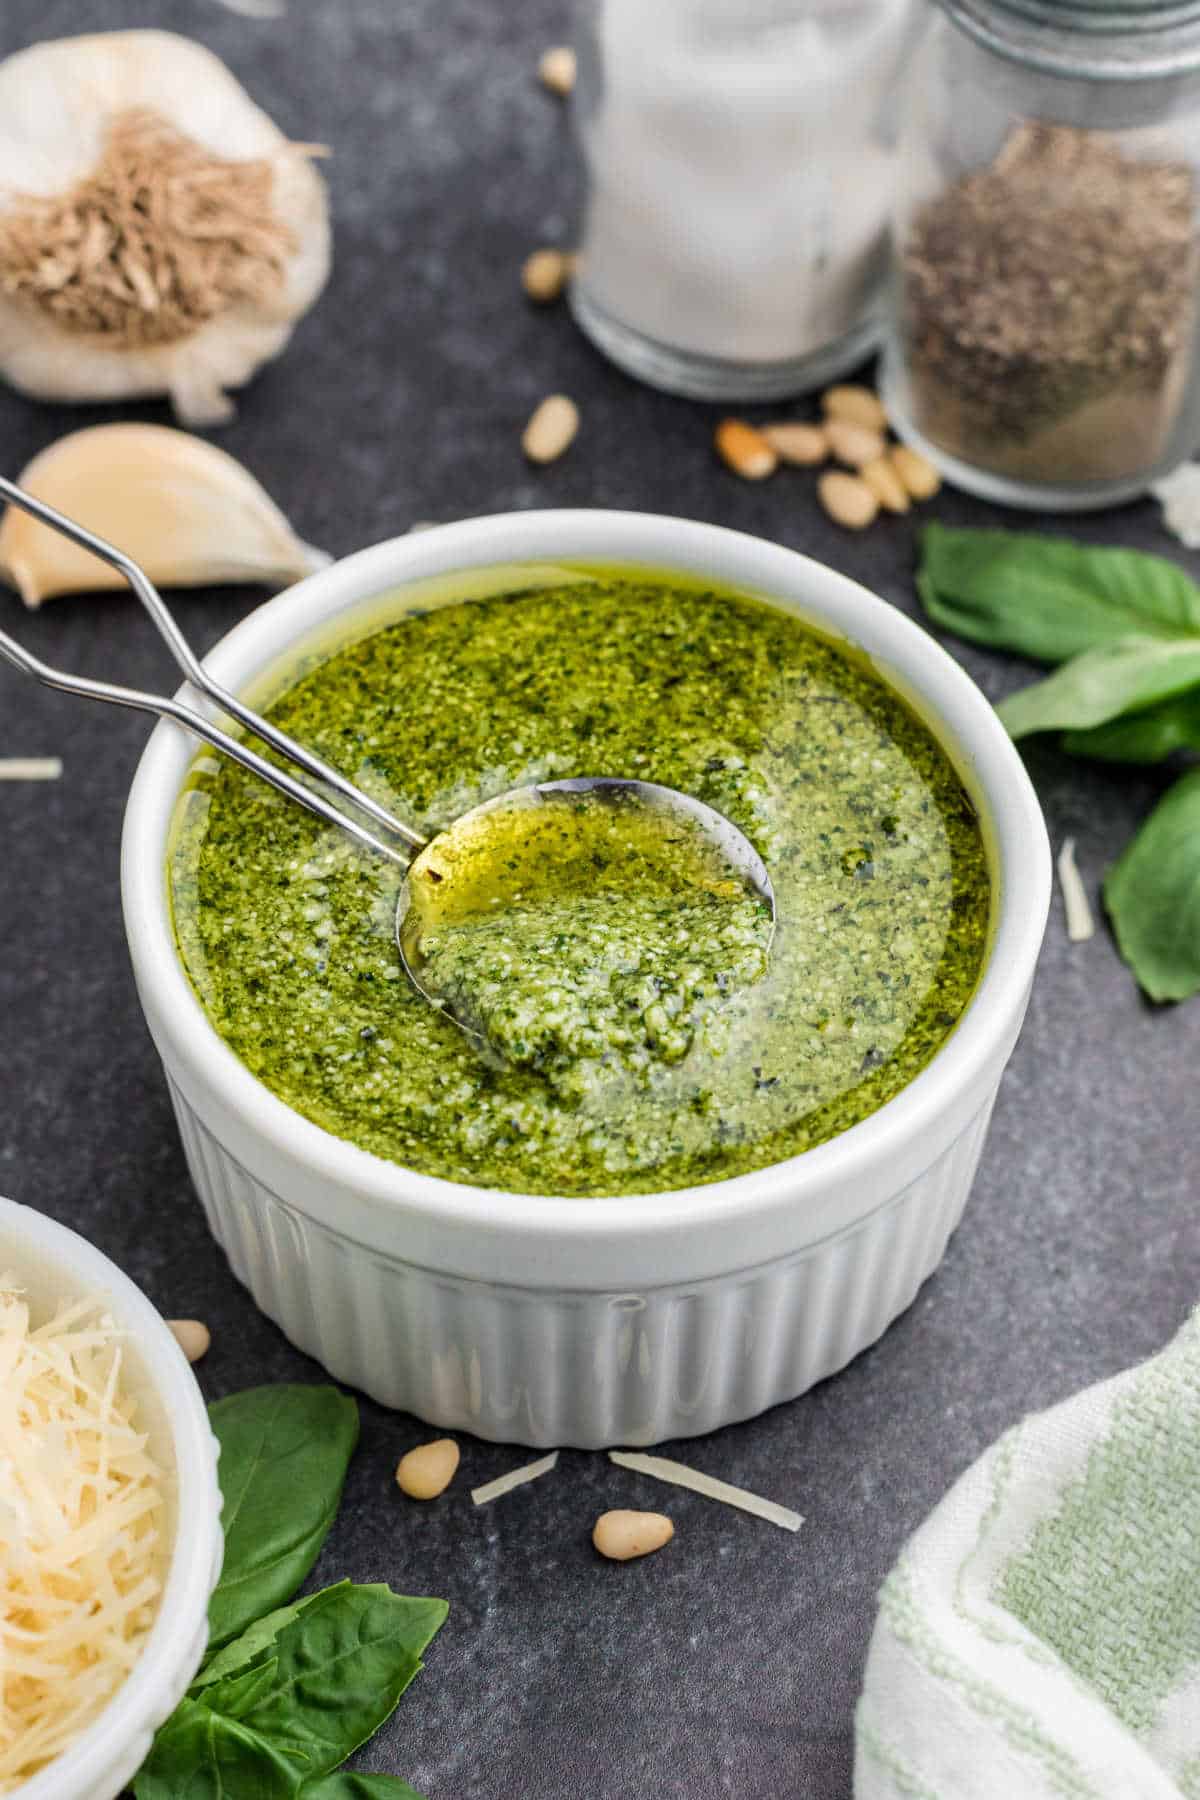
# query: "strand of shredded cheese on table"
80, 1501
504, 1484
1080, 923
257, 9
679, 1475
30, 768
1179, 495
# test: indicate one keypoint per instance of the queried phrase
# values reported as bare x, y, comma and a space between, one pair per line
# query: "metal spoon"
415, 854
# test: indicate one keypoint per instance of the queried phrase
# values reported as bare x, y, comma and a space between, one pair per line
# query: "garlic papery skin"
191, 515
158, 233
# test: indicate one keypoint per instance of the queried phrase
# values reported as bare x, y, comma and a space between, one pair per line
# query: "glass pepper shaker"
739, 158
1042, 340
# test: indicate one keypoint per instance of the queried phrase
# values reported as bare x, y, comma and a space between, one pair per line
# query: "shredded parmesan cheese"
679, 1475
30, 768
79, 1534
1080, 923
504, 1484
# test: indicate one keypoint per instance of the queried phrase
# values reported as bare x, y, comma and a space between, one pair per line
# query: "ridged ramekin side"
532, 1366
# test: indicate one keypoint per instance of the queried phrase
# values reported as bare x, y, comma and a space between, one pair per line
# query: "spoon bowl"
461, 871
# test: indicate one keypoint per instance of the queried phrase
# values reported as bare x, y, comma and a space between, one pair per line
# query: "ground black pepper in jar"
1042, 346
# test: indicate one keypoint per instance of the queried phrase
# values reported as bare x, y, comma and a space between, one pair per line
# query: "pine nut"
745, 450
544, 275
556, 69
847, 499
805, 445
884, 482
916, 472
192, 1336
858, 404
427, 1471
551, 429
623, 1535
854, 444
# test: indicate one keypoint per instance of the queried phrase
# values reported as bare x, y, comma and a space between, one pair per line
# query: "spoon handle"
199, 678
203, 728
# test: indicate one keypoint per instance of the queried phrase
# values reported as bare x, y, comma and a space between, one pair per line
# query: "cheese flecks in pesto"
874, 851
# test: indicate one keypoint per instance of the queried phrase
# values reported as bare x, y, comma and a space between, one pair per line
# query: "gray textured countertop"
730, 1664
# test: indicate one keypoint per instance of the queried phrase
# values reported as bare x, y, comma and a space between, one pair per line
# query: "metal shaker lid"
1101, 40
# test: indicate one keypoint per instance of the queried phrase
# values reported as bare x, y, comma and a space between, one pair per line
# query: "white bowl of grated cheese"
99, 1414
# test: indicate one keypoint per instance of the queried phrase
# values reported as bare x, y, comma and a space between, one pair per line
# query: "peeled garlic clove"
158, 233
190, 514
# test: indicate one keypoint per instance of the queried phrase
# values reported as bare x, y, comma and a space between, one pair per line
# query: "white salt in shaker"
740, 158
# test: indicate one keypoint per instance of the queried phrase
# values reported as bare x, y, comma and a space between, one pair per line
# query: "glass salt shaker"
1042, 342
740, 157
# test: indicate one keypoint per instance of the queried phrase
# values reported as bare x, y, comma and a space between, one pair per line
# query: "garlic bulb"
188, 513
158, 233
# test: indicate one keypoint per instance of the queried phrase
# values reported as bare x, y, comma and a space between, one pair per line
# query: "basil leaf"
1101, 684
241, 1692
198, 1755
284, 1454
1142, 737
1153, 896
348, 1786
253, 1642
1050, 598
332, 1675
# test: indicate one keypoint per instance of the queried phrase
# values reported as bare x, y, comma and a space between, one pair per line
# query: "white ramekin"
544, 1320
54, 1264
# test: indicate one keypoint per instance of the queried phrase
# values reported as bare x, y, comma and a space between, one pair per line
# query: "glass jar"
1042, 342
739, 158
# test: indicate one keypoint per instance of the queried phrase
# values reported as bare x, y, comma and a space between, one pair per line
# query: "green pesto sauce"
586, 938
880, 876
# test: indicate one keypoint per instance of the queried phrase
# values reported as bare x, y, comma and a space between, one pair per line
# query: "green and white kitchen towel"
1040, 1634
